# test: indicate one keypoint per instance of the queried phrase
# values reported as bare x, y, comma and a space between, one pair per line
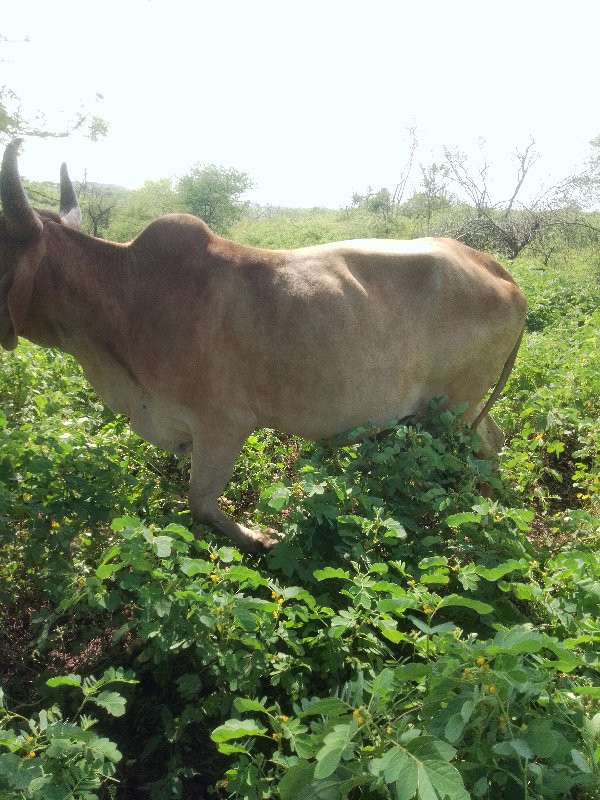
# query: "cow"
199, 340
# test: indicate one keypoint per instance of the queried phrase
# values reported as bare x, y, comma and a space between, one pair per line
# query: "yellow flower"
467, 673
54, 524
428, 609
27, 497
284, 718
276, 736
487, 687
30, 755
480, 662
389, 730
215, 578
280, 601
212, 557
276, 613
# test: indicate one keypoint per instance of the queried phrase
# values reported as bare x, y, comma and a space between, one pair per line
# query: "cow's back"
318, 339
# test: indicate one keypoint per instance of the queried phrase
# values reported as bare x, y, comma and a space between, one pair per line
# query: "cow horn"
22, 221
69, 207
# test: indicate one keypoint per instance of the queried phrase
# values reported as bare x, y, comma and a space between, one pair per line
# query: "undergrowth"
427, 627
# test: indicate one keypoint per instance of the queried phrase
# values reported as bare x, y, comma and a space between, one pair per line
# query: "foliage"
411, 636
214, 194
54, 759
15, 123
140, 207
295, 228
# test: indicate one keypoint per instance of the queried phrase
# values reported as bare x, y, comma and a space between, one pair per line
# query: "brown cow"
199, 340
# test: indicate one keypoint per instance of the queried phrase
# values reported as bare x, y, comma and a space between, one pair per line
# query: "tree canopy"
214, 194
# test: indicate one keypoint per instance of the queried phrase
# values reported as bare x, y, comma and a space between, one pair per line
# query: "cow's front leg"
213, 459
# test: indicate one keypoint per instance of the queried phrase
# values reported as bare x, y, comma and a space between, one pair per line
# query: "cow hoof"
258, 541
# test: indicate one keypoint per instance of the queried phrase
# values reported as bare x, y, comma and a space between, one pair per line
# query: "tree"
383, 202
511, 226
432, 197
98, 204
214, 194
15, 124
140, 207
583, 189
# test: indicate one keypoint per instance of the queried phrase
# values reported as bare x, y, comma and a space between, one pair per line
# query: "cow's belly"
158, 420
160, 423
327, 412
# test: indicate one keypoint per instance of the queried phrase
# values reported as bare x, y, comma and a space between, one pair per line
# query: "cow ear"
22, 223
8, 336
14, 303
69, 207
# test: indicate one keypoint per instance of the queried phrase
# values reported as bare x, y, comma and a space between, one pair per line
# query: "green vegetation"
414, 635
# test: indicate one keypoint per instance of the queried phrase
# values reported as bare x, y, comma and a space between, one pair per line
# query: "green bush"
427, 627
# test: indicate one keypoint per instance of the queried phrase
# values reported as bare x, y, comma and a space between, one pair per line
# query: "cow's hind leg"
492, 438
213, 459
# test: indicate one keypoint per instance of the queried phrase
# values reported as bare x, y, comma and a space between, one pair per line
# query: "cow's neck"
82, 299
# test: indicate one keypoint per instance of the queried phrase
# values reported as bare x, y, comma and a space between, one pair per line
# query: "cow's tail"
510, 362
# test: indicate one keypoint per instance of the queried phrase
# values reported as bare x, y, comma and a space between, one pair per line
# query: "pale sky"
311, 98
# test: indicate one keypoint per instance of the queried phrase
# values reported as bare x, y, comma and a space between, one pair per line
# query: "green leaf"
112, 702
237, 729
521, 516
587, 691
228, 554
495, 573
541, 737
397, 766
103, 747
462, 518
580, 761
120, 523
326, 707
64, 680
330, 572
445, 627
520, 639
512, 747
182, 532
454, 728
394, 529
555, 447
397, 605
242, 704
296, 779
276, 496
242, 574
195, 566
465, 602
421, 769
437, 779
433, 561
336, 744
188, 685
106, 570
162, 546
